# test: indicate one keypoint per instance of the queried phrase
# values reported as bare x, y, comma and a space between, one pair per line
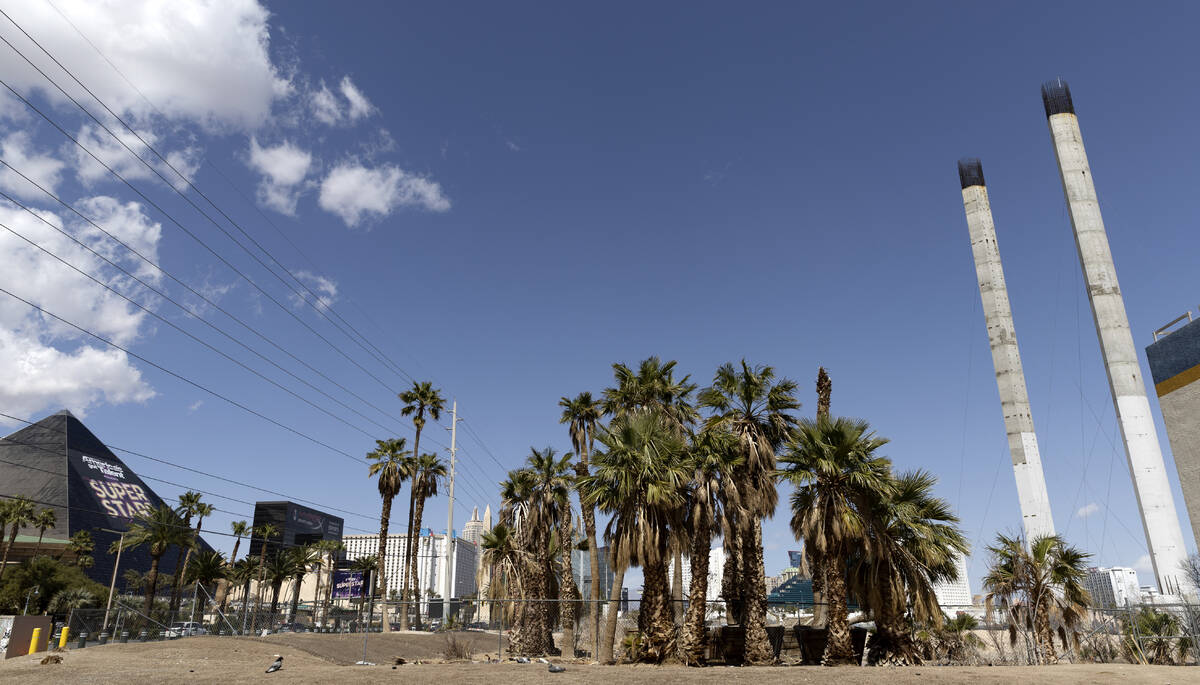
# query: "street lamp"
33, 592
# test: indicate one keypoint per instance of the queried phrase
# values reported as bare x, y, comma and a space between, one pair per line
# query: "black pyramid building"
59, 464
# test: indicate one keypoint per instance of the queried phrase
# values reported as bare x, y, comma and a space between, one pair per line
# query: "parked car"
291, 628
185, 628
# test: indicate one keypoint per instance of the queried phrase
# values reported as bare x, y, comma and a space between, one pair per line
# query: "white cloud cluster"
354, 192
45, 363
206, 62
109, 151
328, 109
283, 168
1087, 510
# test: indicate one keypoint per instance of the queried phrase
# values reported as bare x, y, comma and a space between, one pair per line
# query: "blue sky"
509, 198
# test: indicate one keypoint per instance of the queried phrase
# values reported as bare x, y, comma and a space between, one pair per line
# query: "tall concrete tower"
1006, 358
1161, 523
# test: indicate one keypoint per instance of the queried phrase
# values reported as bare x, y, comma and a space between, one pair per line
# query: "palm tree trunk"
151, 583
614, 605
588, 513
408, 583
758, 646
385, 516
187, 558
820, 607
316, 612
891, 645
568, 592
275, 588
656, 614
838, 648
731, 579
693, 646
1044, 634
677, 586
418, 514
38, 548
177, 581
295, 598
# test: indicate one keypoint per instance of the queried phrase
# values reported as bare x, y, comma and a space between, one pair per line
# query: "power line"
187, 333
181, 377
196, 471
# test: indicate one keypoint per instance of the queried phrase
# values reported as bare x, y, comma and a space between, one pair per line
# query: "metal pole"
446, 585
112, 586
370, 610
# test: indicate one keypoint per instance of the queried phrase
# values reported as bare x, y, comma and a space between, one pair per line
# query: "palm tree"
835, 472
201, 510
43, 521
582, 413
1037, 586
365, 565
279, 568
325, 548
264, 533
505, 562
550, 509
712, 459
651, 388
157, 529
16, 514
304, 558
913, 542
421, 399
188, 502
134, 580
639, 479
81, 546
241, 574
240, 530
206, 568
1155, 637
392, 465
749, 403
427, 471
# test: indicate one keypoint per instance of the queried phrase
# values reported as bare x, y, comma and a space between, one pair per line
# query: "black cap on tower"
1056, 97
970, 172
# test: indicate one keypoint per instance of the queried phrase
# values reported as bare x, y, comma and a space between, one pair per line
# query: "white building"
473, 530
957, 593
716, 571
1112, 587
431, 571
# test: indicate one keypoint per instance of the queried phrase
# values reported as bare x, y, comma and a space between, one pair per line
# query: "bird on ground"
522, 660
556, 669
543, 660
277, 665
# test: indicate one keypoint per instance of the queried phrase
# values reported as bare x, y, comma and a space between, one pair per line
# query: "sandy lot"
243, 660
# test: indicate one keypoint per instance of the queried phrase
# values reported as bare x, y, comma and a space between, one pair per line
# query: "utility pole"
448, 584
113, 585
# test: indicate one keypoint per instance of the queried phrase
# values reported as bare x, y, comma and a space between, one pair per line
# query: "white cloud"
512, 145
282, 167
1087, 510
207, 62
360, 106
329, 109
324, 288
47, 364
46, 171
355, 192
194, 406
325, 105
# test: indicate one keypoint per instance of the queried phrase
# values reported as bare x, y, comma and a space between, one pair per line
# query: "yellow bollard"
33, 641
62, 639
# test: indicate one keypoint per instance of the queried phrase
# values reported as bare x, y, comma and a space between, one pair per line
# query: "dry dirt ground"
243, 660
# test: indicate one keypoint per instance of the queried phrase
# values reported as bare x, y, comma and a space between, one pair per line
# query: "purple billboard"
347, 584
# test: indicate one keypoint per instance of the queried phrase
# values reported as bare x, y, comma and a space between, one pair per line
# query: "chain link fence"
490, 629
